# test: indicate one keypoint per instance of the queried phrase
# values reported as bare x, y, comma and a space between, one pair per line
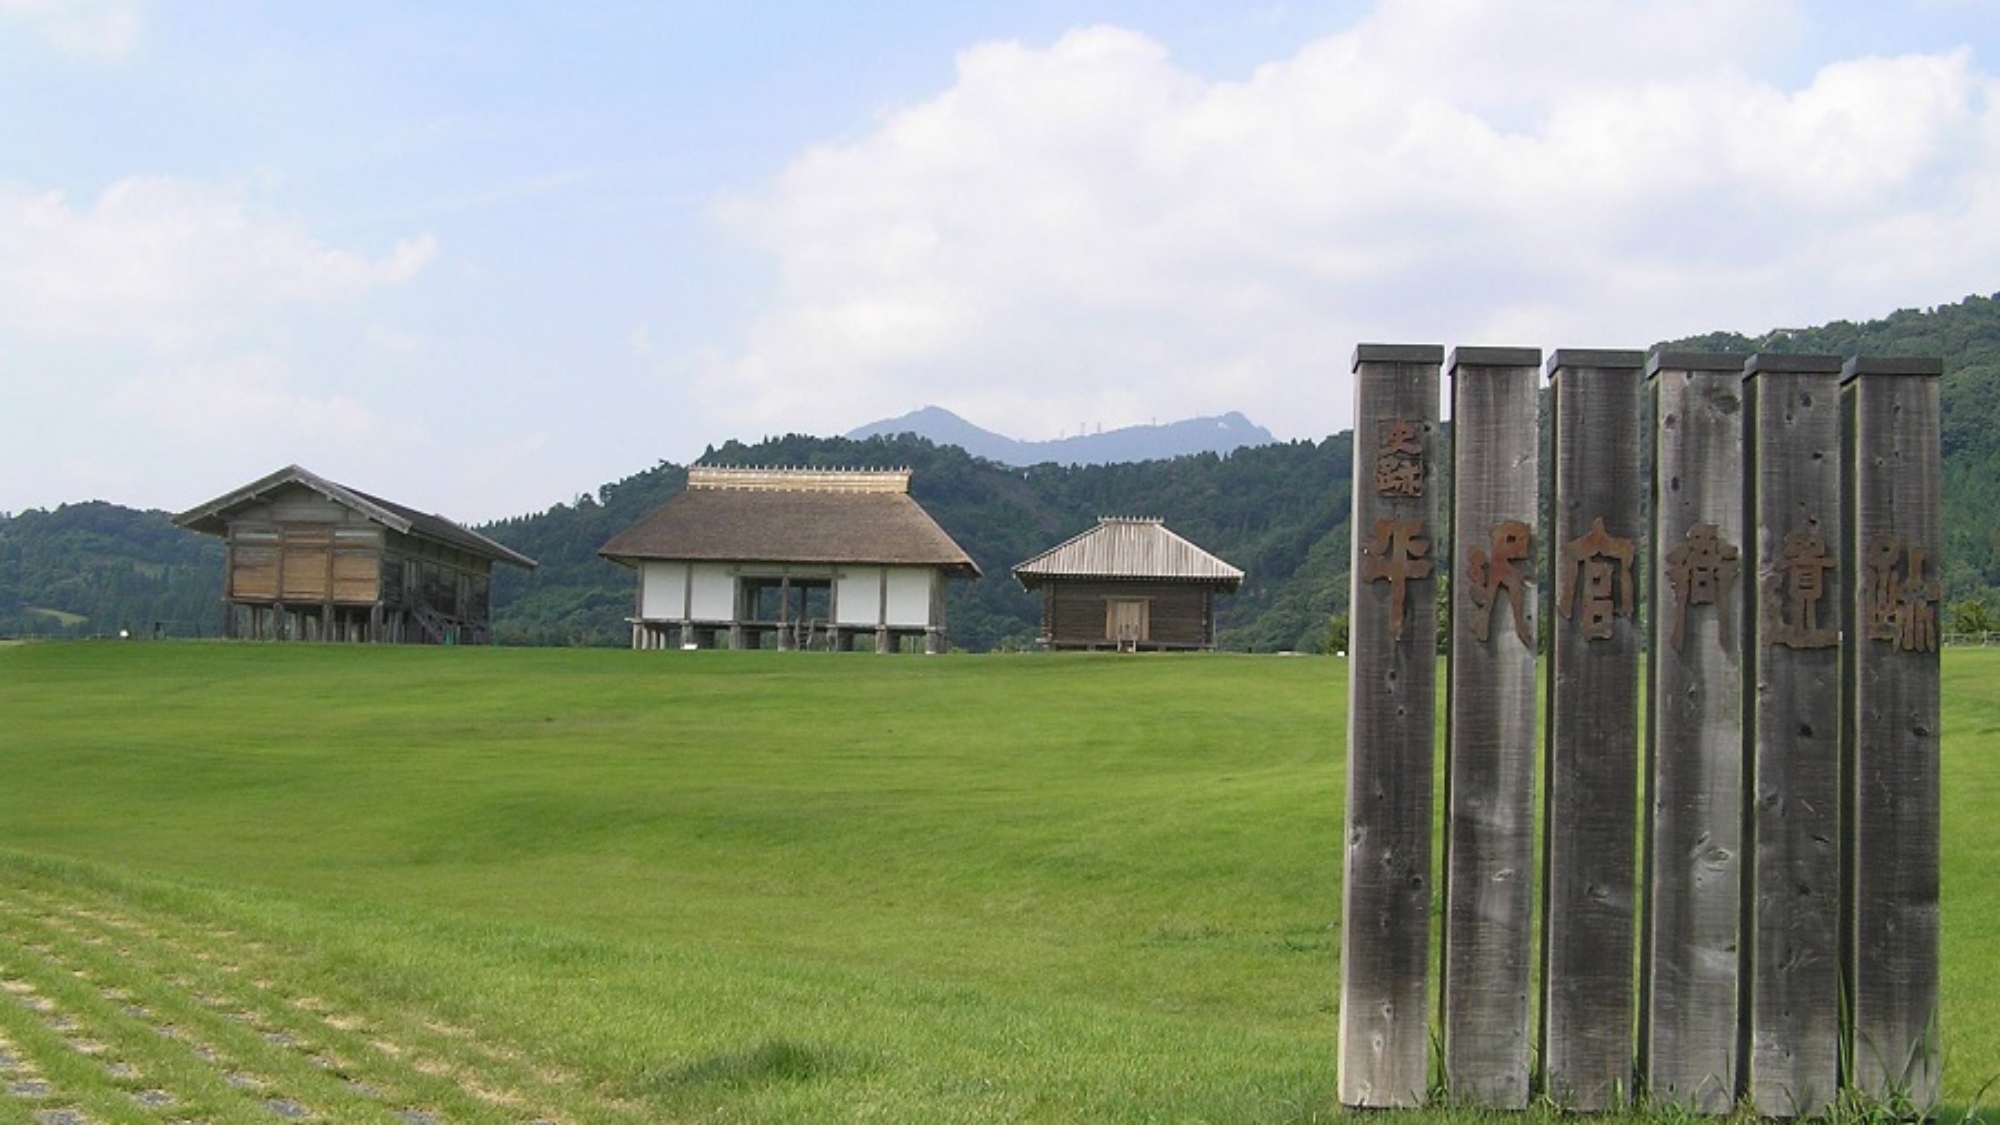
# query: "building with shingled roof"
309, 559
790, 558
1129, 584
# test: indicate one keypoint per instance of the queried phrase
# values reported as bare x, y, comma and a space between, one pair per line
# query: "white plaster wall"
910, 596
857, 596
714, 592
661, 587
664, 591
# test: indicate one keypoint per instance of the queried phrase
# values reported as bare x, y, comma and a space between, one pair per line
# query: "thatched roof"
811, 516
1128, 549
213, 517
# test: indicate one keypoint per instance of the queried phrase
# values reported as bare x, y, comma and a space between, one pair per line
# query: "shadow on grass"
771, 1062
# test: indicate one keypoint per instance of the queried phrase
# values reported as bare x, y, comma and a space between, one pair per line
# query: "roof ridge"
798, 479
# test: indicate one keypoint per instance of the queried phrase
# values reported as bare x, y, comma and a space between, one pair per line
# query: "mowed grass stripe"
197, 1017
773, 887
193, 1047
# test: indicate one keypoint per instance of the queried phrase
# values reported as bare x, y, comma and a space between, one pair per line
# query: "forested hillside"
93, 569
1278, 511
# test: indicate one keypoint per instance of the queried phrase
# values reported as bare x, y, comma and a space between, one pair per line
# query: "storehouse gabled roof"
213, 517
814, 516
1122, 548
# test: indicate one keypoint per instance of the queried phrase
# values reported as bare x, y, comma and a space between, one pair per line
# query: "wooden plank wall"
1689, 973
1490, 724
1890, 747
1384, 1047
1178, 615
1793, 996
1590, 850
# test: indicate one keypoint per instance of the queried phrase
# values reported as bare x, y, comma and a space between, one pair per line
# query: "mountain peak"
1214, 434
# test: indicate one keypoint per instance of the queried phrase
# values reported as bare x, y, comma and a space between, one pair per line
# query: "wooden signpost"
1889, 748
1490, 762
1590, 859
1793, 1017
1689, 974
1392, 678
1764, 538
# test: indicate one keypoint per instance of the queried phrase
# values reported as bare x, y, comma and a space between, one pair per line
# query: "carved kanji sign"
1899, 604
1399, 460
1596, 574
1488, 575
1702, 571
1792, 592
1396, 554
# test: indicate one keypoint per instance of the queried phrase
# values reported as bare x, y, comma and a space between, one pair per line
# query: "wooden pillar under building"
1490, 761
1691, 938
1384, 1045
1589, 856
1792, 998
1889, 749
787, 624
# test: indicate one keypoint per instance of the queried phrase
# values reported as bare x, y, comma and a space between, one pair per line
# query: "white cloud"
1083, 232
238, 402
171, 262
104, 29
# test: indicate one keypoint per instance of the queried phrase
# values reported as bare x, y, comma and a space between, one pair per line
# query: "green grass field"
407, 885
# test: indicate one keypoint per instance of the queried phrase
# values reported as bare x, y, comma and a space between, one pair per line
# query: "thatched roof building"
795, 557
1128, 583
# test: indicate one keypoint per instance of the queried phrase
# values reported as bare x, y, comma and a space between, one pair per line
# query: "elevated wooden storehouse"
309, 559
790, 558
1128, 584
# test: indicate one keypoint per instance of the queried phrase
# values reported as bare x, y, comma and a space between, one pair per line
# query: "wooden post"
1589, 856
1889, 749
1793, 994
1392, 670
1690, 944
787, 638
1490, 765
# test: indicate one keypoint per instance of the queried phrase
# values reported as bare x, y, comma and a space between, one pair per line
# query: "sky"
484, 257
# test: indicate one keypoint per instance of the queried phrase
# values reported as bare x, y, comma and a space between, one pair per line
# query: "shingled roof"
815, 516
213, 517
1123, 548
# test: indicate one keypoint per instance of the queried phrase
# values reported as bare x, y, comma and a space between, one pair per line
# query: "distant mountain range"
1131, 443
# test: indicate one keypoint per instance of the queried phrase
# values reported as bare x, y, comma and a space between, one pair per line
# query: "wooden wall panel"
356, 578
307, 563
1177, 613
253, 572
